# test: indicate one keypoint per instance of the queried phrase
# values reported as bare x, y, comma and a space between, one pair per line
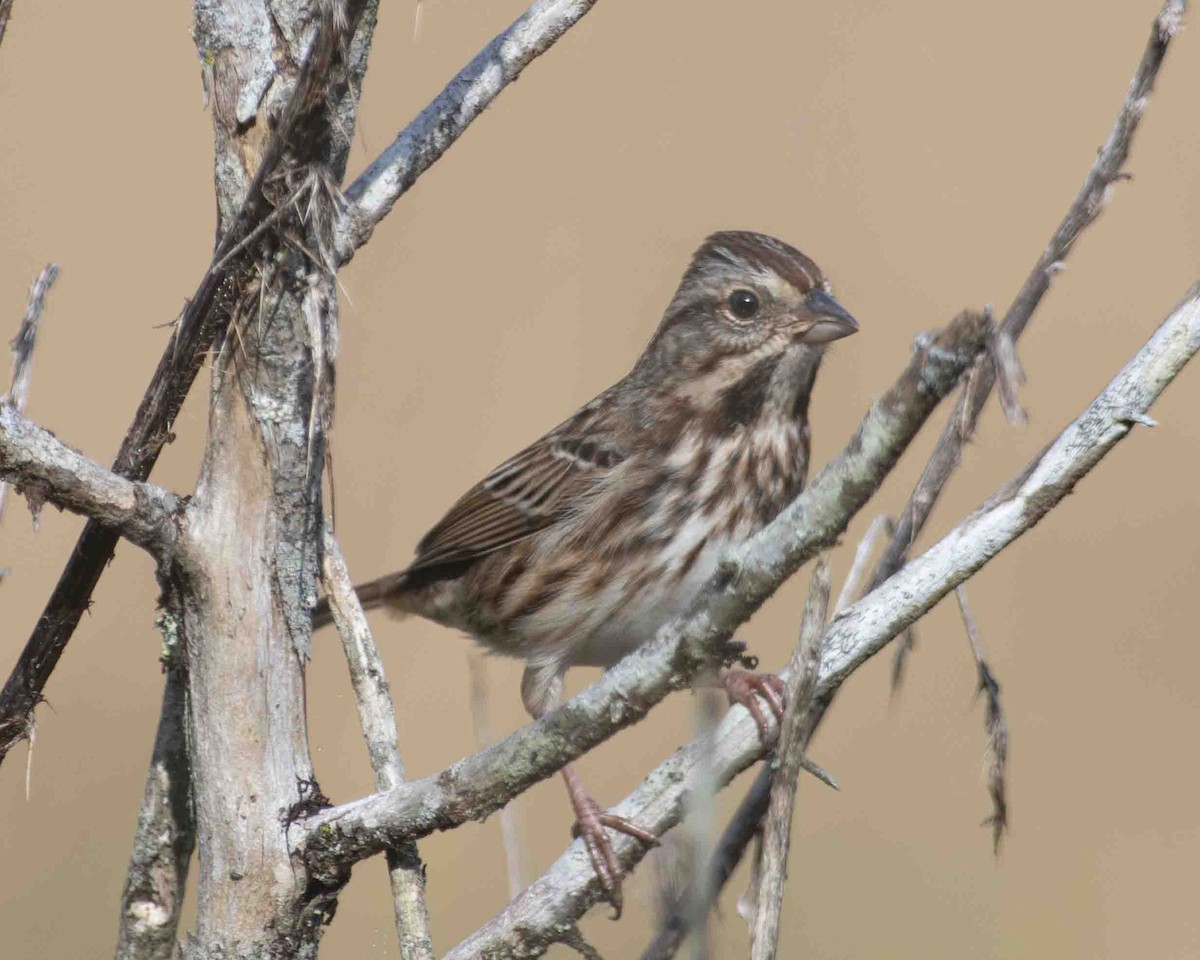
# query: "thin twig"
804, 670
745, 824
569, 887
166, 833
378, 720
862, 555
994, 724
485, 736
439, 125
23, 342
1087, 206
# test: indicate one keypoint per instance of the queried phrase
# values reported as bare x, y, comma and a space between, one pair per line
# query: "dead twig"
862, 555
377, 717
805, 669
23, 342
510, 833
1083, 211
994, 724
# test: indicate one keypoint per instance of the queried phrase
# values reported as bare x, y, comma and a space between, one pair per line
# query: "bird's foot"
590, 823
746, 686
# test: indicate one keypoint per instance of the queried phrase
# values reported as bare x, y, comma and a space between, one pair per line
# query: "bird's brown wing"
525, 494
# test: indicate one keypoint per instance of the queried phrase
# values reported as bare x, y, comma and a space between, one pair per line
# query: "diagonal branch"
1087, 206
378, 720
531, 923
471, 91
476, 786
45, 469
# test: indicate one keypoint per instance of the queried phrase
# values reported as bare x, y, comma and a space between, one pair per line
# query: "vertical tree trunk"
243, 581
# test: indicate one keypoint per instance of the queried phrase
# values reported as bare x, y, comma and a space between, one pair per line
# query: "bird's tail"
374, 593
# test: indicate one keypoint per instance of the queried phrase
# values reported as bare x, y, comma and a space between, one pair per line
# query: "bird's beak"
833, 320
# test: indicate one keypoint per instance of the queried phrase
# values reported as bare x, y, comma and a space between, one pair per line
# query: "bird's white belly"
624, 618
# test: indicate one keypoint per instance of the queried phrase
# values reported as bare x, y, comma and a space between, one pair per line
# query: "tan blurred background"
922, 153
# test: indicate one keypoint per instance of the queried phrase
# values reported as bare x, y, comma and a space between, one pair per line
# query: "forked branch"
45, 469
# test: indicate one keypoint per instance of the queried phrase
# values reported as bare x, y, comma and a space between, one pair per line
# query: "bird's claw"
746, 686
589, 824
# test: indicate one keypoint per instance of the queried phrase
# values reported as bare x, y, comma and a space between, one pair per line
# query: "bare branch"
22, 345
476, 786
858, 566
465, 97
1087, 206
804, 670
165, 836
46, 469
485, 737
994, 723
378, 720
528, 925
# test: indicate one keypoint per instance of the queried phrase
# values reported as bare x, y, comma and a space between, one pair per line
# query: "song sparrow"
581, 546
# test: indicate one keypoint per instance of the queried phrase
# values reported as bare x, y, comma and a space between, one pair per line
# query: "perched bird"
577, 549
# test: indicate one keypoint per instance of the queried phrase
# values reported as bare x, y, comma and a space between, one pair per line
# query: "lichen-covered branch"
46, 470
377, 717
531, 923
419, 145
476, 786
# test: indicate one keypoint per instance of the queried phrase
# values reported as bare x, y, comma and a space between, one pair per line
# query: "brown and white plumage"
578, 548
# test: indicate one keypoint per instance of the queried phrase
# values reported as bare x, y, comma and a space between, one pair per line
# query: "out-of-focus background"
922, 153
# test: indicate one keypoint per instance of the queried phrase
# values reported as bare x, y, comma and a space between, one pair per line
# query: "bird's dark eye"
743, 304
